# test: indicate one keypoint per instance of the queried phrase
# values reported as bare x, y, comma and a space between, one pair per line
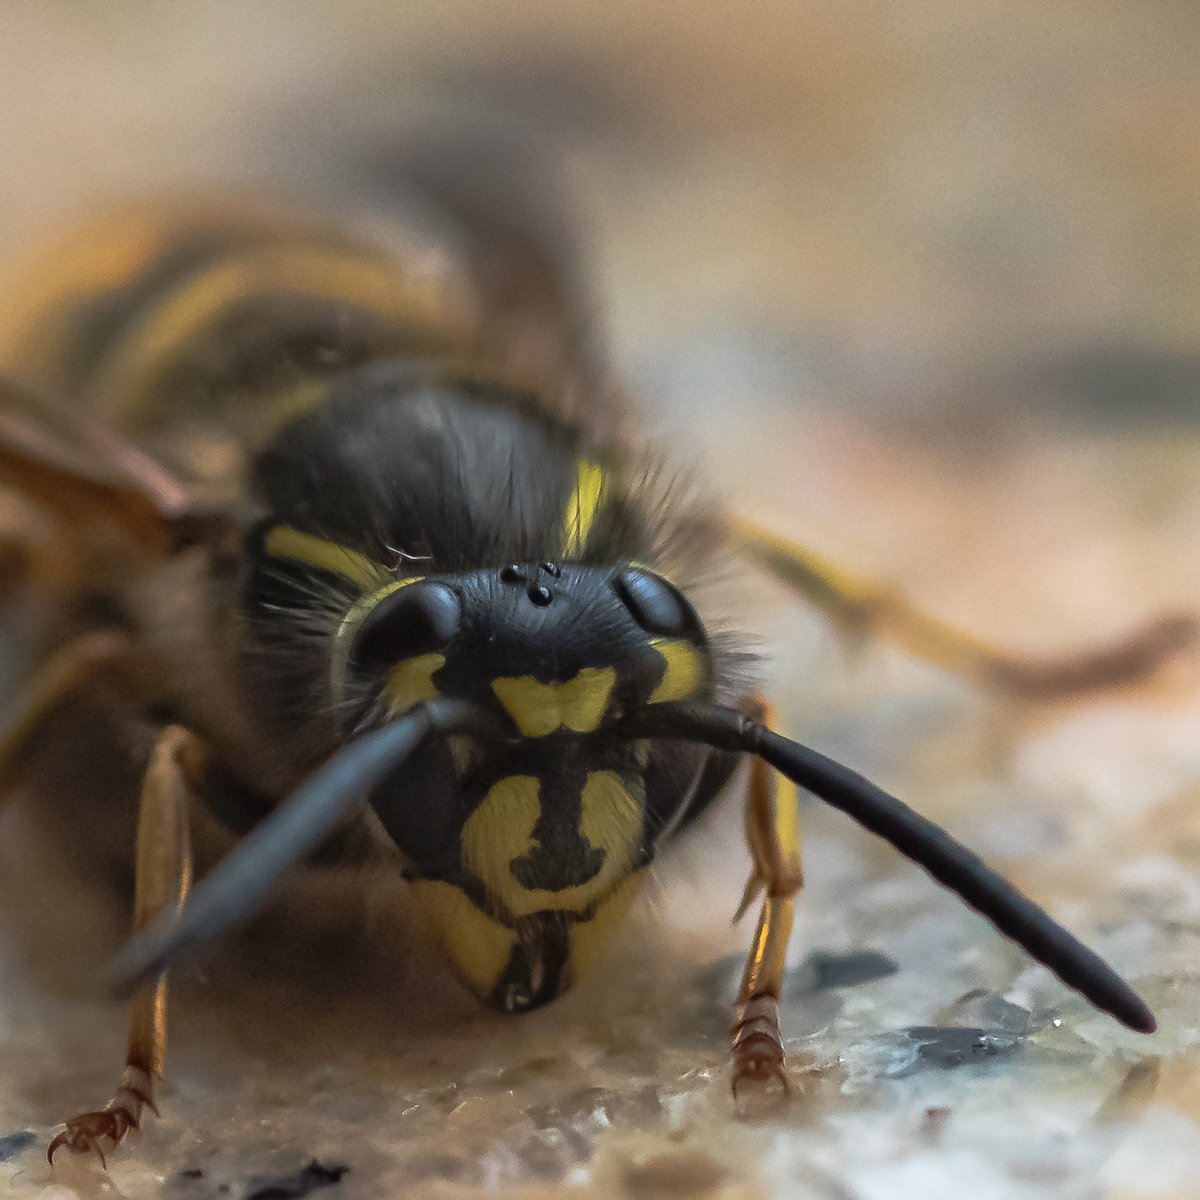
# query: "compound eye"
418, 618
656, 605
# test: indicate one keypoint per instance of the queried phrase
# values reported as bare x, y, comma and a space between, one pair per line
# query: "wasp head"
525, 850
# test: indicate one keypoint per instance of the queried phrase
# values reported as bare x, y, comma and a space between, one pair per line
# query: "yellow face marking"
500, 831
351, 622
541, 708
285, 541
411, 681
684, 673
582, 507
478, 947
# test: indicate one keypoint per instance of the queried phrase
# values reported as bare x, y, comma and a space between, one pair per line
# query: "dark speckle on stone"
11, 1144
824, 969
294, 1187
944, 1047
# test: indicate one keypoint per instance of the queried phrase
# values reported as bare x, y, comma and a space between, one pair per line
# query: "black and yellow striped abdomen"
220, 322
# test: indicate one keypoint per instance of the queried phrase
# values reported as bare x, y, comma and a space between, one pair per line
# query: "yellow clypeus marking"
684, 673
500, 831
584, 503
478, 946
351, 623
285, 541
411, 681
340, 276
541, 708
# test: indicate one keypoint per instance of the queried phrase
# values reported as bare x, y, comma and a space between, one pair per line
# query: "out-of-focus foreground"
917, 284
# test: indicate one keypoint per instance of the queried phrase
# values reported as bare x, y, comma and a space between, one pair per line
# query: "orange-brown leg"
163, 875
107, 653
773, 836
862, 606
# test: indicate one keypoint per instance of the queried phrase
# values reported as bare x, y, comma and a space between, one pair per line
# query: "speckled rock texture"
915, 284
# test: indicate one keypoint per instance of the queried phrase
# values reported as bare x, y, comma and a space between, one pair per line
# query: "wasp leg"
773, 837
163, 874
869, 608
102, 652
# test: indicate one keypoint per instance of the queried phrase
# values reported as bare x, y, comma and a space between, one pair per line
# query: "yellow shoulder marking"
584, 503
541, 708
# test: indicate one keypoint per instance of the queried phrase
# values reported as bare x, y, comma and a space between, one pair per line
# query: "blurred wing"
87, 476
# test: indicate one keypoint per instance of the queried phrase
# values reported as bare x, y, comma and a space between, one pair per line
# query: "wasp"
353, 518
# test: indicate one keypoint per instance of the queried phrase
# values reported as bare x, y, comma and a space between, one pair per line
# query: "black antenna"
252, 872
927, 844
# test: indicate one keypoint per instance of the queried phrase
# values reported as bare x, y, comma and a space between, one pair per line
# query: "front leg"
773, 837
163, 873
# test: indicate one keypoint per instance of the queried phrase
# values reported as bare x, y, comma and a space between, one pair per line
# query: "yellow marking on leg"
411, 681
584, 503
541, 708
287, 542
351, 623
478, 947
500, 831
684, 671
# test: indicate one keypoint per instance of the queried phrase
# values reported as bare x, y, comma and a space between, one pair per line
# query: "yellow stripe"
339, 276
285, 541
586, 499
